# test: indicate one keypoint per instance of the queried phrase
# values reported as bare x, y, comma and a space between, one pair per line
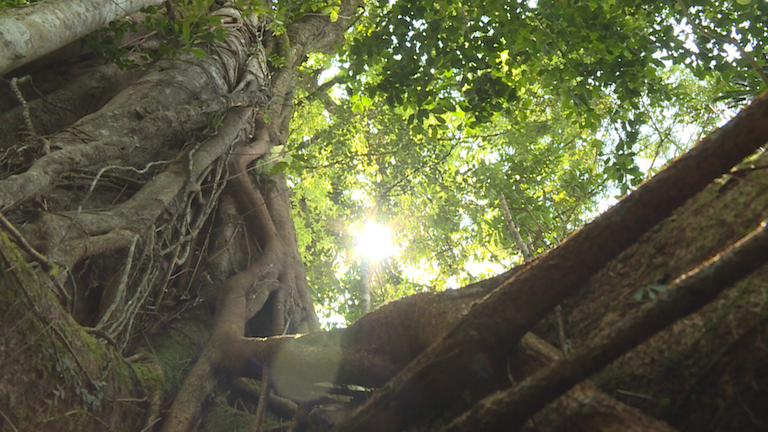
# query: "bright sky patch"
374, 242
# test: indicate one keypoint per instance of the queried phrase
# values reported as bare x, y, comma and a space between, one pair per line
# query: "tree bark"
34, 30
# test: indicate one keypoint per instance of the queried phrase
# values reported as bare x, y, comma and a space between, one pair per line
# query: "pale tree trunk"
365, 279
527, 256
34, 30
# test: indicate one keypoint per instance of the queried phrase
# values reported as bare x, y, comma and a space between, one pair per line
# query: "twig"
7, 420
74, 355
564, 346
102, 334
121, 287
263, 396
22, 242
640, 395
149, 426
26, 114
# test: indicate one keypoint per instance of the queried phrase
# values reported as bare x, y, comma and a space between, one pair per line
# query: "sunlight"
374, 242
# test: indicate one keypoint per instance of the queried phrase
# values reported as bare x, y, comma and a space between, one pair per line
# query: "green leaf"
185, 32
197, 52
278, 168
639, 294
213, 19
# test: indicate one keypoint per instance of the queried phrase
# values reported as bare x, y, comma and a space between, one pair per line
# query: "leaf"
639, 294
185, 32
197, 52
213, 20
278, 168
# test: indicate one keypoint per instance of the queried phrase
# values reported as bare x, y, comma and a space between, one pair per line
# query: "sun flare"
374, 242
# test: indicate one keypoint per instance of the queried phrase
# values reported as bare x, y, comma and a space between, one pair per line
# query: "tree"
152, 268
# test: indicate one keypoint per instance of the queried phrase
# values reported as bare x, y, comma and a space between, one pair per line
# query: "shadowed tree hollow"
159, 170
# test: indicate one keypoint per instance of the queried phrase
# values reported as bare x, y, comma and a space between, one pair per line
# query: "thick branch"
96, 232
585, 407
231, 312
27, 31
507, 410
40, 176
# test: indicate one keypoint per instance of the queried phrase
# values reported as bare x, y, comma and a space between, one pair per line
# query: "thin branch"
22, 242
513, 229
10, 423
261, 410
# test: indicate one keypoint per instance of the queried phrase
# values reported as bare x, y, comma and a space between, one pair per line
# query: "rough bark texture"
156, 273
701, 372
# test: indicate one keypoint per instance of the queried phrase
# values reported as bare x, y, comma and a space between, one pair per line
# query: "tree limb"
507, 410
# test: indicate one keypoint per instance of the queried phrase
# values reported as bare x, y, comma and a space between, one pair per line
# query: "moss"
177, 348
11, 297
219, 416
150, 376
124, 375
95, 347
43, 385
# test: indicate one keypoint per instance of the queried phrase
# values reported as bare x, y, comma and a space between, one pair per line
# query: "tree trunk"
703, 372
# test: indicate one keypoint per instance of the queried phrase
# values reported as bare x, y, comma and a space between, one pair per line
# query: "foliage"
182, 33
444, 107
743, 22
15, 3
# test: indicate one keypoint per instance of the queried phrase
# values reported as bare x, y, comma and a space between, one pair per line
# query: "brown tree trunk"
704, 372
